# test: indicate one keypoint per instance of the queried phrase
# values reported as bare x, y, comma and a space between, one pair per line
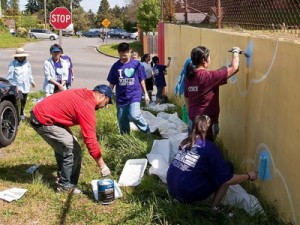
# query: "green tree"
131, 11
91, 19
12, 7
103, 8
148, 15
80, 19
32, 6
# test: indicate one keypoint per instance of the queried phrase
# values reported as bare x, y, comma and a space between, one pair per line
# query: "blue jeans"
131, 112
68, 153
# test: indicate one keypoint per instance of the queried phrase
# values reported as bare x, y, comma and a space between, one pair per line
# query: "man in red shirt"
51, 119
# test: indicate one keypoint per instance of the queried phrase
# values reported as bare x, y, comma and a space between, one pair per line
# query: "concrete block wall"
260, 107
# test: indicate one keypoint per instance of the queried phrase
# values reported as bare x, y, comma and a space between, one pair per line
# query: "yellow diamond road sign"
105, 22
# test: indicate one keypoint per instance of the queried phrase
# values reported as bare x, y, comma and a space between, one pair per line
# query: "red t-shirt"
202, 90
69, 108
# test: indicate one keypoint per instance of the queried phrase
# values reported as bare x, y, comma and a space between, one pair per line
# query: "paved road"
90, 67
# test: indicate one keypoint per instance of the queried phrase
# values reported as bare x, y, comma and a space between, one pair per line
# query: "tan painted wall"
260, 106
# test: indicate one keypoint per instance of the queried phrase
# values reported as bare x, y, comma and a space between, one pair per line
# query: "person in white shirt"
149, 73
20, 75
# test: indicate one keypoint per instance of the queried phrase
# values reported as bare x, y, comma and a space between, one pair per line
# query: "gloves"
236, 50
147, 99
105, 171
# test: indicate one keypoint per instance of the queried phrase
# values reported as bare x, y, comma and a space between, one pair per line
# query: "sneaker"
74, 191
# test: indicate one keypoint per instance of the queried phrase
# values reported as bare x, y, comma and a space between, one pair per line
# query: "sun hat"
106, 90
20, 52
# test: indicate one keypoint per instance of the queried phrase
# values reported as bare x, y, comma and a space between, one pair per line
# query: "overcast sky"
87, 4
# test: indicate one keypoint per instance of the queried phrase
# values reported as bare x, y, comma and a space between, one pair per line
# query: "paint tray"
133, 172
118, 192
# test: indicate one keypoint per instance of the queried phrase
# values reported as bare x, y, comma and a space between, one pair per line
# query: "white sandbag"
153, 121
159, 166
160, 107
174, 143
161, 147
238, 197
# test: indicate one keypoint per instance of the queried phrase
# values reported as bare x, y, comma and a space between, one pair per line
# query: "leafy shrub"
22, 32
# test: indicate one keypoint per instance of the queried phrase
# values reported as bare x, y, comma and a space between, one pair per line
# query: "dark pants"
68, 153
23, 103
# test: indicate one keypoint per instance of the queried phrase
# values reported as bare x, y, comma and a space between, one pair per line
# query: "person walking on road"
201, 86
56, 72
20, 75
128, 76
51, 119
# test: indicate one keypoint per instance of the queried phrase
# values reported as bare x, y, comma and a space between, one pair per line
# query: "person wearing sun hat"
20, 75
56, 72
52, 118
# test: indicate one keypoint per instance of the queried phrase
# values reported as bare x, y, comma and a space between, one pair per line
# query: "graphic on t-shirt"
129, 72
183, 160
128, 81
193, 89
156, 71
120, 73
58, 74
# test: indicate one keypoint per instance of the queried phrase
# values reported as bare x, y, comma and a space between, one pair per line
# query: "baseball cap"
106, 90
55, 49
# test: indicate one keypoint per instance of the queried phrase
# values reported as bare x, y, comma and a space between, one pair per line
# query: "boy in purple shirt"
128, 76
159, 71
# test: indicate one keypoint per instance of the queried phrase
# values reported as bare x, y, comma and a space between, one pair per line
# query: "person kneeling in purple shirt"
199, 170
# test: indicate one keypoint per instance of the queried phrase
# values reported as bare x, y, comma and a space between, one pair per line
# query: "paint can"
106, 191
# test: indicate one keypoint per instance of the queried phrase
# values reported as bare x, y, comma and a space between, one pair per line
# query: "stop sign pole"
60, 18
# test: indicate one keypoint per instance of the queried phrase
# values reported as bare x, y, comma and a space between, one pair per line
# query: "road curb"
97, 49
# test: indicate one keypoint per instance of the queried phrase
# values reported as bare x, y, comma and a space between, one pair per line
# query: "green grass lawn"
112, 49
10, 41
148, 203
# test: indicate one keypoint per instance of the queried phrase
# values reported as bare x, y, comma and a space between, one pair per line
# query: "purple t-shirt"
70, 66
159, 75
195, 174
127, 78
202, 90
58, 71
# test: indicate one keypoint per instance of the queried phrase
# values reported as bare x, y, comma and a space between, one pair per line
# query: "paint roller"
247, 53
264, 166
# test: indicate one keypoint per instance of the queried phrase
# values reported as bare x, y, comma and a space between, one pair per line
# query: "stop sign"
60, 18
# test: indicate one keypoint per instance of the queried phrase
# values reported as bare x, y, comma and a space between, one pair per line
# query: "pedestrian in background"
51, 119
71, 76
20, 75
128, 76
159, 71
135, 55
56, 72
149, 74
201, 86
